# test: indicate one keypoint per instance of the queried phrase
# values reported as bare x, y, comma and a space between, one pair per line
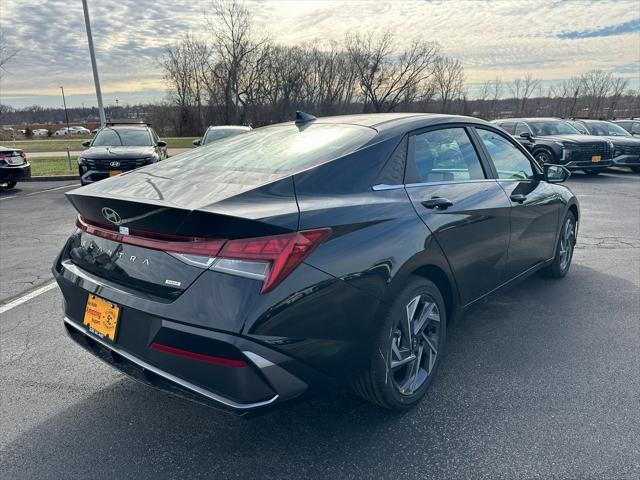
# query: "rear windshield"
277, 149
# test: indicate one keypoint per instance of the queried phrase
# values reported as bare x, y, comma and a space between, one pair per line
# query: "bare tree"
234, 43
6, 54
385, 73
448, 81
596, 85
618, 87
521, 89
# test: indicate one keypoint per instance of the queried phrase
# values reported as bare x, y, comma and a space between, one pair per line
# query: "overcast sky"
553, 39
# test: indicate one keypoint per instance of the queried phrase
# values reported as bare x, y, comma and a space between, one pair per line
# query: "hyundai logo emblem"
115, 164
111, 215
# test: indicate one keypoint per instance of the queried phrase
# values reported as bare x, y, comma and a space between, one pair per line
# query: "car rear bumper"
14, 174
256, 377
627, 161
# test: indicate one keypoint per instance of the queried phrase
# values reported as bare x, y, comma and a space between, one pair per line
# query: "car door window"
635, 128
521, 128
509, 161
446, 155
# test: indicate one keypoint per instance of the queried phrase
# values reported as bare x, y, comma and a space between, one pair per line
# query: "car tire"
543, 157
9, 185
388, 382
561, 263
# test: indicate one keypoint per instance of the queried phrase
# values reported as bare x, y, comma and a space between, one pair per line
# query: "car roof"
393, 122
531, 119
228, 127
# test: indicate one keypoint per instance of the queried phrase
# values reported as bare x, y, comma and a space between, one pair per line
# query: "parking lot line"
41, 191
28, 296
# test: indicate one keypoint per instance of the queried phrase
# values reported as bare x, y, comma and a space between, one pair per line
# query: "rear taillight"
23, 155
269, 259
167, 243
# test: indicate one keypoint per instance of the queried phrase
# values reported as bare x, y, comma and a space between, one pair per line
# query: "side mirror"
526, 135
86, 143
161, 143
555, 173
197, 142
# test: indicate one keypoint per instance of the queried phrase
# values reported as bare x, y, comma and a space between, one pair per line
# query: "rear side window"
280, 149
509, 161
446, 155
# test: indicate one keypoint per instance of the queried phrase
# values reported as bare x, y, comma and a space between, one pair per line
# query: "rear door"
466, 210
536, 205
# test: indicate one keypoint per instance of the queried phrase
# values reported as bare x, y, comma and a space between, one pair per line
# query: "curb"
51, 178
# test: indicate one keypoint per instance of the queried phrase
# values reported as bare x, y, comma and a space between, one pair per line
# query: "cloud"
552, 39
624, 27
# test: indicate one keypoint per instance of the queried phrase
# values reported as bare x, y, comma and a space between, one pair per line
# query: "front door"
467, 212
536, 205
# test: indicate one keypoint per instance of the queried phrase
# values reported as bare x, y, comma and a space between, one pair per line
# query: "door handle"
437, 202
518, 197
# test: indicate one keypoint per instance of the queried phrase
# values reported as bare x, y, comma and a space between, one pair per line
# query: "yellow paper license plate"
113, 173
101, 316
596, 159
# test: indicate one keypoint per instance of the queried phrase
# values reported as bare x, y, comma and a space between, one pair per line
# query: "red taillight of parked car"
280, 254
269, 259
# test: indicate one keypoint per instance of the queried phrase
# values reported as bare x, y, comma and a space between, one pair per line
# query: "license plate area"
596, 158
114, 173
102, 317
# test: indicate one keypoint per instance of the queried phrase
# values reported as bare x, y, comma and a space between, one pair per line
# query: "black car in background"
551, 140
118, 148
626, 147
14, 167
631, 125
300, 256
219, 132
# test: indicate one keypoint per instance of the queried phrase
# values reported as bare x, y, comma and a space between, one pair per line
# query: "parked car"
303, 255
40, 132
118, 148
630, 125
14, 167
63, 131
626, 148
80, 131
216, 133
551, 140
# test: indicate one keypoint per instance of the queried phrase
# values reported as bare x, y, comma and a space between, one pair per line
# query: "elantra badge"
111, 215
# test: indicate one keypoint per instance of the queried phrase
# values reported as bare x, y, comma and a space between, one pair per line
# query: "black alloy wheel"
409, 349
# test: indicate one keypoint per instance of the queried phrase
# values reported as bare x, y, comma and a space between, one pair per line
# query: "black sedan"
551, 140
14, 167
117, 148
300, 256
626, 147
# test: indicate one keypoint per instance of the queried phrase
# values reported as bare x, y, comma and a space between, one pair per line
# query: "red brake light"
155, 241
23, 155
284, 252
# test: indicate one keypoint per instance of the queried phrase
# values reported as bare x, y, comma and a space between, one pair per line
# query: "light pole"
66, 115
94, 65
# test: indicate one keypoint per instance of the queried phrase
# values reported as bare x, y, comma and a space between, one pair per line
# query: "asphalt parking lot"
542, 382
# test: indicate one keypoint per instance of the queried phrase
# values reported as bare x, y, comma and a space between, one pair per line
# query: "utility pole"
66, 115
92, 53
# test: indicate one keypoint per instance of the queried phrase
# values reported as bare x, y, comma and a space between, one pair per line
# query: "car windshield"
607, 129
128, 137
218, 133
552, 127
275, 149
